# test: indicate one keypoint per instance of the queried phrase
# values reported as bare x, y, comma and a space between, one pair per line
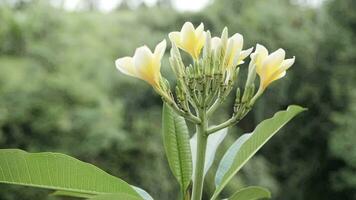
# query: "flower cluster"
206, 82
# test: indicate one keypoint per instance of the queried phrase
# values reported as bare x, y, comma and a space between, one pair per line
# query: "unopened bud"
164, 85
235, 75
238, 96
237, 100
224, 37
251, 73
207, 46
248, 93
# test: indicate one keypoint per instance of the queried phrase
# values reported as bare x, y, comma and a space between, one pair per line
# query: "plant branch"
202, 138
213, 107
188, 115
233, 120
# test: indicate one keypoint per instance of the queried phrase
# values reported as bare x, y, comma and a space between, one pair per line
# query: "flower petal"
245, 53
215, 43
258, 56
286, 64
188, 34
126, 66
274, 60
237, 40
142, 57
146, 67
199, 30
160, 49
175, 37
187, 26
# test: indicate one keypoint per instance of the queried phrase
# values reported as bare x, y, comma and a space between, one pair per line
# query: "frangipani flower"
189, 39
234, 54
270, 67
144, 64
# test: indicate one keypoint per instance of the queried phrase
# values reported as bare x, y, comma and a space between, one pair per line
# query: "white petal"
258, 57
187, 30
261, 50
275, 59
287, 63
245, 53
160, 49
237, 40
175, 37
215, 43
126, 66
142, 57
199, 30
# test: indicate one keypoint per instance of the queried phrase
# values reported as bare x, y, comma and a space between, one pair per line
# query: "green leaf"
115, 196
214, 140
142, 193
247, 145
58, 172
176, 144
251, 193
72, 194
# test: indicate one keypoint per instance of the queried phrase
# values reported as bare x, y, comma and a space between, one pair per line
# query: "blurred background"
60, 91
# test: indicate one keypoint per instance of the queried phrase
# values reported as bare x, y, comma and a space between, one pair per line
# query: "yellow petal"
280, 72
258, 56
201, 38
272, 78
189, 39
188, 35
143, 56
146, 66
273, 61
126, 66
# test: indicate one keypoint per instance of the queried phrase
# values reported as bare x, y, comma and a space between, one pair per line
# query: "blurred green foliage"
60, 91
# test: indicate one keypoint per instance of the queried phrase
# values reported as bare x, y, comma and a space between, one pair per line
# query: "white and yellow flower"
270, 67
189, 39
234, 54
144, 65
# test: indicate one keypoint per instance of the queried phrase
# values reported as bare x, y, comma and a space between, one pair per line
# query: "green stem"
202, 139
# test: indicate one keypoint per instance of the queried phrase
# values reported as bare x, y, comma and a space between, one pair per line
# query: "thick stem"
200, 157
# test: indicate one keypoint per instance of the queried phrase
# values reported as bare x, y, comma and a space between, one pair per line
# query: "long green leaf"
72, 194
214, 140
247, 145
251, 193
116, 196
142, 193
58, 172
176, 144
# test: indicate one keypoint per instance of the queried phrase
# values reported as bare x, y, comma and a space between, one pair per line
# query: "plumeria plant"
201, 88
